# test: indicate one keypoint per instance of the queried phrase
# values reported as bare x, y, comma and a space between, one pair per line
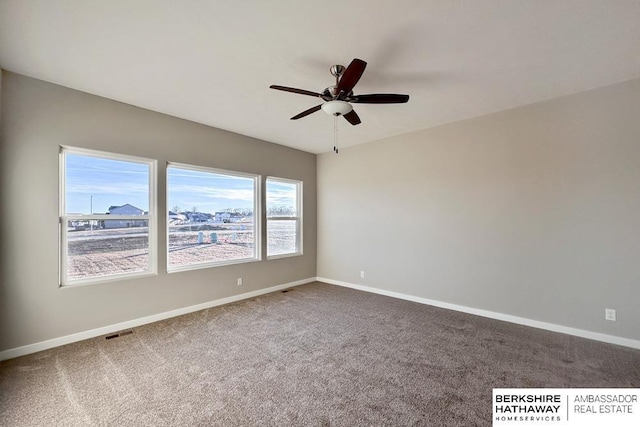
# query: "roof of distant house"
126, 204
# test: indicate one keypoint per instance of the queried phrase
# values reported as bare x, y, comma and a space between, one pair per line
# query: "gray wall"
37, 118
532, 212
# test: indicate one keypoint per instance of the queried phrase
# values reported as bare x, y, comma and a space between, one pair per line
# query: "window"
284, 217
107, 216
211, 219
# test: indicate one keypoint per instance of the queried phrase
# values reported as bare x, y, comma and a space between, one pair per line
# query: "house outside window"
126, 210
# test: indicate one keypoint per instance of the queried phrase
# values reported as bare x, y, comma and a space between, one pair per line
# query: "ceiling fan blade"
351, 76
380, 98
352, 117
306, 112
294, 90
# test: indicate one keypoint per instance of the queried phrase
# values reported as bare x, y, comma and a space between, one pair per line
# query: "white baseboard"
68, 339
611, 339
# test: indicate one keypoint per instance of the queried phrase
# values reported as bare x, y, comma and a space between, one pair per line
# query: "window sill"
179, 269
293, 254
106, 279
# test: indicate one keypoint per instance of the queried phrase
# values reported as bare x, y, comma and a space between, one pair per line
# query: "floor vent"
118, 334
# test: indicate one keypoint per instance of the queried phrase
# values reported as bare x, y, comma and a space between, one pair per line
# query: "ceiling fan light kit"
336, 107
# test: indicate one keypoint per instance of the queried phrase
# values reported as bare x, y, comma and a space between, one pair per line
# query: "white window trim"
299, 217
257, 233
63, 218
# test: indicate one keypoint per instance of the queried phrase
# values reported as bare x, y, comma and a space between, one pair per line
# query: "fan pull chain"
335, 133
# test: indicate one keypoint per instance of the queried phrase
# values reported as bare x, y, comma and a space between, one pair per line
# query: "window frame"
64, 218
298, 218
257, 223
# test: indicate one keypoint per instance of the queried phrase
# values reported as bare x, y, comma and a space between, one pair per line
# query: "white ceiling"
212, 61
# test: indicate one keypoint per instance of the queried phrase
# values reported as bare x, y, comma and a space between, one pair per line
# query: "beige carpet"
317, 355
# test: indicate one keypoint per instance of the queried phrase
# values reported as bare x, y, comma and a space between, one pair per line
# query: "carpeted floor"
317, 355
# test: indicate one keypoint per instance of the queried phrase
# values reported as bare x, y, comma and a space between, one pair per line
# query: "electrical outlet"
239, 281
362, 274
610, 314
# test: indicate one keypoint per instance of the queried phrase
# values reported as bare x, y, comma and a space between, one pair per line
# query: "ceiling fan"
338, 98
